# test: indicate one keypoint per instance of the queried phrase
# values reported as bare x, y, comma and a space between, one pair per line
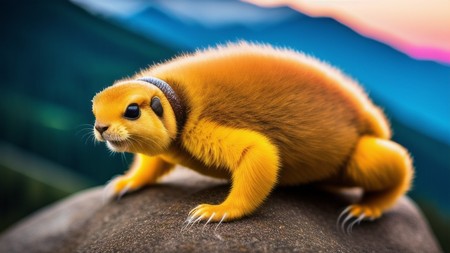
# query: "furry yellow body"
259, 117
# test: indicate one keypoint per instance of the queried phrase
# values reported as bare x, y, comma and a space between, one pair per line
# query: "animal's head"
134, 116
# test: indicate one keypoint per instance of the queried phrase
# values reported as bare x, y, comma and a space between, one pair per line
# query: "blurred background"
55, 55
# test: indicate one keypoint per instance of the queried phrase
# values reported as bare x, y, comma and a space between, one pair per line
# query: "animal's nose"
101, 128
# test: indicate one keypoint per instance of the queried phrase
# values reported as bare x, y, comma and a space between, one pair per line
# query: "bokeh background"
55, 55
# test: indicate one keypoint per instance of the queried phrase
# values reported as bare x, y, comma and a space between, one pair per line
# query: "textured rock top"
293, 219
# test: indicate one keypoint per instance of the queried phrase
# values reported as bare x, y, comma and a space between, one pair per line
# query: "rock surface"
293, 219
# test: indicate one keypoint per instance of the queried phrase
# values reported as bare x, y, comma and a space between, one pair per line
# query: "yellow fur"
150, 138
383, 168
258, 116
137, 177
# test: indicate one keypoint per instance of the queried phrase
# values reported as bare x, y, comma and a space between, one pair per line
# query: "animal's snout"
101, 128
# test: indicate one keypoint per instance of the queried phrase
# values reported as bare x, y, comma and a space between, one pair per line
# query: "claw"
354, 214
195, 209
358, 220
194, 215
190, 219
349, 216
123, 191
208, 221
220, 222
346, 210
187, 222
196, 220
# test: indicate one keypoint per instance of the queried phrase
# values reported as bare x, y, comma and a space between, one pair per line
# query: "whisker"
124, 158
112, 153
87, 136
95, 140
131, 143
143, 138
139, 143
83, 127
83, 131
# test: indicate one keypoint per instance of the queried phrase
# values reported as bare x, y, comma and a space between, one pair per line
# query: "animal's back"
311, 112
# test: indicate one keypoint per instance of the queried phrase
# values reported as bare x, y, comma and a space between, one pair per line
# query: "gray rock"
293, 219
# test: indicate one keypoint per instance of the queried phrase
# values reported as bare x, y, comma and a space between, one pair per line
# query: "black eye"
132, 112
156, 106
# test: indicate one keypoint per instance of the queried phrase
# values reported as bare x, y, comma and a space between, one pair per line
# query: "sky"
419, 28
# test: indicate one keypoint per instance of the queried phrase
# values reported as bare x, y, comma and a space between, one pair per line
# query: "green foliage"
55, 57
20, 195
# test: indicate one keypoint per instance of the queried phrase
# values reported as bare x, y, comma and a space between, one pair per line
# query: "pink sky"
420, 28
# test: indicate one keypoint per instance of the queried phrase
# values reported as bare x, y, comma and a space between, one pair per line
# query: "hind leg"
384, 170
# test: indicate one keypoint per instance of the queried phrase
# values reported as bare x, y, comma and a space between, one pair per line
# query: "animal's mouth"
117, 143
118, 146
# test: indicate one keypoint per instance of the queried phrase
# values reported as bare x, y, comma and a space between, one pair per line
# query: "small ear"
156, 106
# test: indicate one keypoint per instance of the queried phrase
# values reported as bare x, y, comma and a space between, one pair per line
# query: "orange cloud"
420, 28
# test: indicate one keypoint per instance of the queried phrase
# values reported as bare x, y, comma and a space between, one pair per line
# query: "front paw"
119, 186
214, 213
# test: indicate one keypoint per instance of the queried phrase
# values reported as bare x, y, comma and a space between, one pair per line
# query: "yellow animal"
258, 116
